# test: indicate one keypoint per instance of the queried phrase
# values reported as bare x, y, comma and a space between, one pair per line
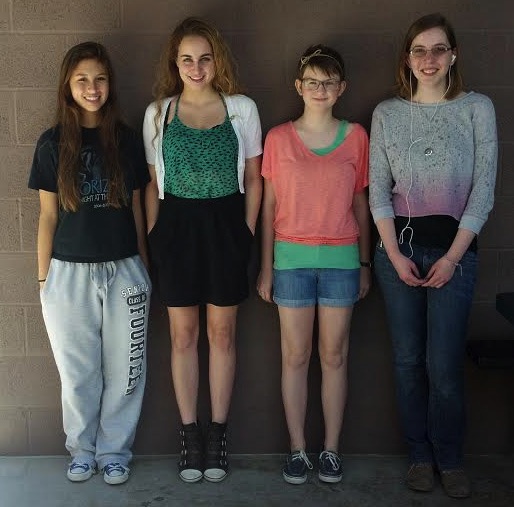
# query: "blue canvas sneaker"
330, 469
295, 469
80, 472
115, 473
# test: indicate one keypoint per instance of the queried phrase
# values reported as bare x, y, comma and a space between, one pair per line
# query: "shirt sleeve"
481, 198
363, 160
266, 167
43, 173
380, 176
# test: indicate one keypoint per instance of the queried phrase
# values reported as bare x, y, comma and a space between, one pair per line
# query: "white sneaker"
80, 472
115, 473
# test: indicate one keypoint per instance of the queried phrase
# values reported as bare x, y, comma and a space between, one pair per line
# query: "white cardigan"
244, 116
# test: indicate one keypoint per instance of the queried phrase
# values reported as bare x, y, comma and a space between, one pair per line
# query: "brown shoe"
420, 477
456, 483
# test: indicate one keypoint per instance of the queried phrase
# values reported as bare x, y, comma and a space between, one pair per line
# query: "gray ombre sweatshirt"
457, 179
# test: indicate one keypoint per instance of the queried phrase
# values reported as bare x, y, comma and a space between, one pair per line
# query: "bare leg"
184, 329
221, 330
334, 332
296, 339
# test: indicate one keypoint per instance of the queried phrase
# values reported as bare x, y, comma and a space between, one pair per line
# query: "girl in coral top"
315, 249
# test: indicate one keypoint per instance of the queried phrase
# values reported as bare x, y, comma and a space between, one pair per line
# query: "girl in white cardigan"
203, 147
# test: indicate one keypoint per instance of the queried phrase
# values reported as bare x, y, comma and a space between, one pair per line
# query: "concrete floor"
254, 481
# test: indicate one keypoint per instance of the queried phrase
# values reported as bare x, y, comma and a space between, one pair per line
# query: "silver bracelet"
455, 264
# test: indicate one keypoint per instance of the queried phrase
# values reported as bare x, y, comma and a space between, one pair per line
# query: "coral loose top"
314, 193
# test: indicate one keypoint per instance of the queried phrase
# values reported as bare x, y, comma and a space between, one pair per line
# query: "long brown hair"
168, 81
68, 117
404, 78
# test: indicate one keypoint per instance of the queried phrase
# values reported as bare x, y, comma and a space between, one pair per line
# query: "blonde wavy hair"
168, 82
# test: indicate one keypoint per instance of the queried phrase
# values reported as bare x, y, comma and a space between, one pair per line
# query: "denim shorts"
299, 288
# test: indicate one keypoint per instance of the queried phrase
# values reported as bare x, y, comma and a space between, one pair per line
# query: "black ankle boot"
216, 462
190, 467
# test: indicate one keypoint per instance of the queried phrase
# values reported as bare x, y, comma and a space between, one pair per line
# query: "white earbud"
453, 59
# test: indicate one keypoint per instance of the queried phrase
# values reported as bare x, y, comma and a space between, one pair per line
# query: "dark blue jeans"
428, 329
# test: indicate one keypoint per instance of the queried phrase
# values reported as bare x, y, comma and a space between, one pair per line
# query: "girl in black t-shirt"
90, 169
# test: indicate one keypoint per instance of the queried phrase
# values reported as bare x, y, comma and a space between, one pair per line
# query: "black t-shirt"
96, 232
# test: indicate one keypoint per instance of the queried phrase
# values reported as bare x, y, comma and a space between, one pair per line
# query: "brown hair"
321, 57
168, 81
404, 78
68, 117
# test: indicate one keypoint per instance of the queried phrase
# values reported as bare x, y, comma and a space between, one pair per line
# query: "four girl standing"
203, 146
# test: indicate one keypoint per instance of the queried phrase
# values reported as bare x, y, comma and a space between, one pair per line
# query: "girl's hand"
407, 271
440, 273
264, 284
365, 282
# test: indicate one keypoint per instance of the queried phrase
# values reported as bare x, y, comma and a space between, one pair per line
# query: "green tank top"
200, 163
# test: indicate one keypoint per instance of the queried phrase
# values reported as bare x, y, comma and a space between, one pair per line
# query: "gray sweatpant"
96, 316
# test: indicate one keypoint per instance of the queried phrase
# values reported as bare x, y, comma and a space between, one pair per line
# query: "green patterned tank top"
200, 163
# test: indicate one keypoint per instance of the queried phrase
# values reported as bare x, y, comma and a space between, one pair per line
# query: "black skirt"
200, 249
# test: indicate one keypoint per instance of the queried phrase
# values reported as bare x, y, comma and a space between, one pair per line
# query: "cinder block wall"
267, 37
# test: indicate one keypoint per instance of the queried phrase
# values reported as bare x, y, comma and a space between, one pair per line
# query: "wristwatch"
366, 264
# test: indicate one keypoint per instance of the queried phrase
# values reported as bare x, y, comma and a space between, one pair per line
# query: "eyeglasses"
329, 85
421, 52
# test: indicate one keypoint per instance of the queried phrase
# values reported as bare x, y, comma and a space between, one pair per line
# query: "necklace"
428, 150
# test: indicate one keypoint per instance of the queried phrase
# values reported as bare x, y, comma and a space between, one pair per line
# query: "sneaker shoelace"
114, 467
301, 455
332, 457
79, 468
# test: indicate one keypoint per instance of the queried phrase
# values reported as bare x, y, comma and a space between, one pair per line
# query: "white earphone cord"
407, 227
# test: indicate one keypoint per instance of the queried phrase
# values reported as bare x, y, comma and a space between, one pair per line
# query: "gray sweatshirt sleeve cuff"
382, 212
471, 223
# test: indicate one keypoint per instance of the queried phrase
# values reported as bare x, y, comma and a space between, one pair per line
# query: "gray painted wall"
267, 37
